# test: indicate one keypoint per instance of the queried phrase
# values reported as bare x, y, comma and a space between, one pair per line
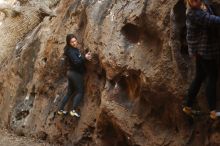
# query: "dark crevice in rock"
82, 27
26, 71
21, 112
131, 32
109, 134
42, 135
21, 115
140, 33
180, 21
87, 137
125, 88
178, 38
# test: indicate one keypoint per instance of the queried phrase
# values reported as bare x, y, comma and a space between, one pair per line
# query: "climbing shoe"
74, 114
213, 115
62, 112
187, 110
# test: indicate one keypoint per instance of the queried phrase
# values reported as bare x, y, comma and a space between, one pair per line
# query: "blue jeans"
75, 81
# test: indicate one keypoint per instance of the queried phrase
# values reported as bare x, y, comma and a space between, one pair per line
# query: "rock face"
134, 84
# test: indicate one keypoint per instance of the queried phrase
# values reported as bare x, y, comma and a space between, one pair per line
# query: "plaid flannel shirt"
202, 33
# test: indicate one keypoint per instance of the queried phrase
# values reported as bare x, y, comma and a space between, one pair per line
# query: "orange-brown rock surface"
134, 84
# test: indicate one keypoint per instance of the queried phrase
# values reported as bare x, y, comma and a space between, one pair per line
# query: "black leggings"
75, 81
204, 69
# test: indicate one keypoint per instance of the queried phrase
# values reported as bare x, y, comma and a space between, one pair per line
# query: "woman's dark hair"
68, 38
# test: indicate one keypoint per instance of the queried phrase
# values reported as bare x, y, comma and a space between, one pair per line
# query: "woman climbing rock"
75, 74
203, 46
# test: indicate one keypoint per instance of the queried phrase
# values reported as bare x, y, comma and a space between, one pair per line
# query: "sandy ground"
9, 139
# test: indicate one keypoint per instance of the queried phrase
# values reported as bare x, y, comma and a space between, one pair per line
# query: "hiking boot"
74, 113
62, 112
213, 115
187, 110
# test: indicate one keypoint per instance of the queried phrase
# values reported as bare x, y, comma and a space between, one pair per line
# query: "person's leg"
212, 74
196, 83
78, 82
79, 85
68, 95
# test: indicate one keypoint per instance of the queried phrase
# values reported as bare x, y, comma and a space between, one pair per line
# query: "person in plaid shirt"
202, 39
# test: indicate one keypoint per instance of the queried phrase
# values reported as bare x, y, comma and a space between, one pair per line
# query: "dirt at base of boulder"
9, 139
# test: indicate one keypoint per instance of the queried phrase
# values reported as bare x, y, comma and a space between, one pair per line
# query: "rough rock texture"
21, 24
134, 84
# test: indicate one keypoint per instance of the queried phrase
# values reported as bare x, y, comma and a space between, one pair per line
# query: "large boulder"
134, 84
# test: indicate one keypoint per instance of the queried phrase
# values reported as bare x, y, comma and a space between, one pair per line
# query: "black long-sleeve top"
75, 59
